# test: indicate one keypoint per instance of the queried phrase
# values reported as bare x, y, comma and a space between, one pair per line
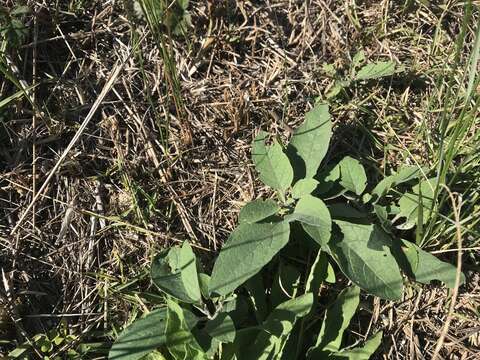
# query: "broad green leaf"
21, 351
209, 345
221, 328
331, 277
317, 274
311, 139
175, 272
285, 284
141, 337
417, 204
181, 343
336, 320
282, 319
243, 340
382, 215
204, 282
154, 355
276, 328
258, 296
247, 250
257, 210
315, 218
363, 254
345, 211
383, 186
239, 310
271, 163
376, 70
352, 175
328, 178
320, 271
405, 174
304, 187
425, 267
293, 347
358, 59
360, 352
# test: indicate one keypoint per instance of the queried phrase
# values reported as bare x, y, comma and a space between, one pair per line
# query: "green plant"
240, 312
48, 346
165, 19
356, 72
13, 31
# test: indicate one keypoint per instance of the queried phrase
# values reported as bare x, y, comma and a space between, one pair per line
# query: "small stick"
113, 77
34, 117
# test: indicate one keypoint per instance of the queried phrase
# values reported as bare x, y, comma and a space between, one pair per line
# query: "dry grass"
134, 182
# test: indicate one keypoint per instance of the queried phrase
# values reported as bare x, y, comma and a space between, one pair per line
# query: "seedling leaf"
358, 59
376, 70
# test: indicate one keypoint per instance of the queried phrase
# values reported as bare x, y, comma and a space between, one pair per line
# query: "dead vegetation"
146, 173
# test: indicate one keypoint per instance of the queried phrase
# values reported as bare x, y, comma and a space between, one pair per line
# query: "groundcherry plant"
261, 299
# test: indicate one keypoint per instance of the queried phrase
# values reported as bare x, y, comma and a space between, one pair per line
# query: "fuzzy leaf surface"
360, 352
257, 210
272, 163
376, 70
304, 187
141, 337
271, 340
310, 140
221, 328
363, 254
175, 273
419, 201
352, 175
247, 250
336, 320
425, 267
314, 217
